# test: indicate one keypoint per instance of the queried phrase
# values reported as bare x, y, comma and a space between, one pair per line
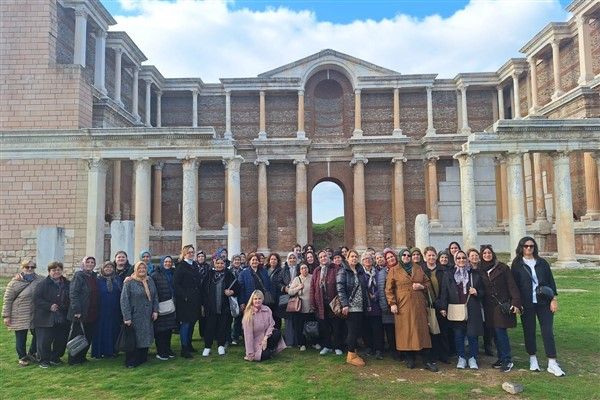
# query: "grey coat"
136, 307
387, 318
80, 292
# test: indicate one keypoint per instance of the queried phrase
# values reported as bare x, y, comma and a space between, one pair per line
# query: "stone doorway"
328, 217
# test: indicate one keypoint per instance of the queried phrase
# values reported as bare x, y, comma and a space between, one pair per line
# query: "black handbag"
311, 329
504, 307
126, 341
544, 292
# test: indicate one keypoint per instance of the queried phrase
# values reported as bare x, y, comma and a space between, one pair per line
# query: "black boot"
185, 352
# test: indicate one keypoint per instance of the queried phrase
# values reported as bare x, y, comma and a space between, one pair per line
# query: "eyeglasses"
29, 267
405, 255
528, 246
461, 258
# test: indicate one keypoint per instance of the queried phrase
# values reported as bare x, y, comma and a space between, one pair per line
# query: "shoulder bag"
268, 296
541, 291
78, 343
295, 302
432, 321
459, 312
166, 307
234, 306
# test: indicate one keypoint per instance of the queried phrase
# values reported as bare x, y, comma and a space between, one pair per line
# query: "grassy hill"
329, 234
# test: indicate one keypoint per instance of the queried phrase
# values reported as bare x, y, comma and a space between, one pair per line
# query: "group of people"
417, 302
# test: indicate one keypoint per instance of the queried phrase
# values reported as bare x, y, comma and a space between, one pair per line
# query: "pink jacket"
254, 332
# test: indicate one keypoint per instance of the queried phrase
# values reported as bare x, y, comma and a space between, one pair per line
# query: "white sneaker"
533, 365
221, 350
206, 352
302, 348
462, 363
325, 350
473, 363
317, 346
555, 369
338, 352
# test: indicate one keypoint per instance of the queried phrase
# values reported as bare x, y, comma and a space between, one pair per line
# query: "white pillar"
359, 206
432, 190
118, 59
516, 206
430, 128
534, 87
234, 221
96, 202
565, 232
301, 134
465, 130
398, 210
467, 201
556, 69
397, 131
516, 96
358, 132
100, 61
142, 204
301, 202
159, 109
80, 36
148, 102
263, 207
500, 90
189, 208
135, 93
227, 134
262, 129
586, 70
195, 108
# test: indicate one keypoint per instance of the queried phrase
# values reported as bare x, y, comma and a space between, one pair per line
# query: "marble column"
96, 202
527, 189
142, 205
360, 208
262, 117
516, 206
397, 131
534, 86
538, 181
118, 60
225, 195
430, 128
504, 180
263, 206
234, 224
432, 190
189, 203
80, 45
500, 90
148, 102
301, 134
227, 134
157, 196
516, 97
565, 231
135, 109
556, 69
159, 109
194, 108
116, 192
586, 70
592, 195
498, 181
465, 130
358, 132
301, 201
398, 211
467, 200
100, 61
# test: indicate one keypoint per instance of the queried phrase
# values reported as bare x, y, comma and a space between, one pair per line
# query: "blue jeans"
459, 342
502, 344
186, 331
21, 343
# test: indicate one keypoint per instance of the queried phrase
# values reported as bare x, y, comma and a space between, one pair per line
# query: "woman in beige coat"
17, 311
404, 290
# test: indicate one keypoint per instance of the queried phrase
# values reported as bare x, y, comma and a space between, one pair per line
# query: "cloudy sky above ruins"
212, 39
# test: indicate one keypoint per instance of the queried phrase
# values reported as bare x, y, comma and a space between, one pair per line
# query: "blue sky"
213, 39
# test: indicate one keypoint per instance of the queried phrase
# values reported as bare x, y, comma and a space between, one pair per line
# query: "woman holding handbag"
463, 285
288, 272
166, 321
300, 288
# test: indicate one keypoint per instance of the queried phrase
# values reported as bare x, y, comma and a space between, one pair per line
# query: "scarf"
28, 277
461, 275
149, 263
168, 273
111, 280
408, 266
142, 280
371, 274
84, 269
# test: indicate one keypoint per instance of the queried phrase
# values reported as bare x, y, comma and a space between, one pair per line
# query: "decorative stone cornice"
116, 40
94, 9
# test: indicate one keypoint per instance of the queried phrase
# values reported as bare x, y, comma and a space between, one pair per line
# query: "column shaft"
135, 109
116, 195
516, 207
96, 208
540, 202
565, 231
118, 59
556, 69
189, 203
534, 87
262, 119
500, 102
504, 186
263, 207
80, 37
227, 134
360, 210
100, 61
142, 205
586, 70
467, 201
159, 109
592, 195
149, 102
432, 189
516, 97
398, 211
234, 230
301, 202
157, 196
465, 117
301, 134
357, 114
194, 108
430, 128
498, 181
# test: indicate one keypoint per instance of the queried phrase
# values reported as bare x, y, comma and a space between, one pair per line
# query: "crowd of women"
427, 303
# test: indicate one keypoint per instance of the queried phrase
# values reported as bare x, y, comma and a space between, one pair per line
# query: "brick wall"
377, 113
245, 115
176, 108
480, 109
211, 112
595, 44
413, 113
378, 195
281, 114
414, 196
445, 114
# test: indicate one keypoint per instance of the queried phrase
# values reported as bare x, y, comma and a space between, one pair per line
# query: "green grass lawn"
307, 375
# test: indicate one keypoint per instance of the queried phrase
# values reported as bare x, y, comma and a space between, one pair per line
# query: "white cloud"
327, 202
207, 39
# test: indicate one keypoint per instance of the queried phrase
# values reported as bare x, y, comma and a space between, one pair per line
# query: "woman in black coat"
216, 290
462, 285
165, 323
187, 282
51, 303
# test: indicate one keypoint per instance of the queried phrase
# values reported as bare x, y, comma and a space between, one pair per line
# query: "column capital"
500, 88
357, 91
358, 159
463, 87
465, 158
159, 165
142, 163
560, 155
118, 51
190, 163
431, 159
399, 159
148, 81
99, 32
81, 12
429, 88
135, 69
300, 92
159, 93
499, 159
97, 164
515, 75
195, 92
261, 161
233, 163
301, 161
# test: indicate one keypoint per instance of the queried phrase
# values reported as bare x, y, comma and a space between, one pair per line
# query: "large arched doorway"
328, 222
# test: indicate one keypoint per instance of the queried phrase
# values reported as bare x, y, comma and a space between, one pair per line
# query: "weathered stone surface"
512, 388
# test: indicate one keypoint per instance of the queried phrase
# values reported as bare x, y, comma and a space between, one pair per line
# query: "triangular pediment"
355, 66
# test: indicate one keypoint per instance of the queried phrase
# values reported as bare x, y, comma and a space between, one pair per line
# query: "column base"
435, 224
585, 79
262, 135
566, 264
157, 228
591, 216
300, 135
543, 227
358, 133
465, 131
557, 94
431, 132
227, 135
264, 251
102, 90
397, 133
116, 215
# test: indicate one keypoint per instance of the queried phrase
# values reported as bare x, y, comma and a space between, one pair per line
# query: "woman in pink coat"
262, 340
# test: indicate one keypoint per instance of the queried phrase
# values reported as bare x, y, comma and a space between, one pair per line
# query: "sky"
212, 39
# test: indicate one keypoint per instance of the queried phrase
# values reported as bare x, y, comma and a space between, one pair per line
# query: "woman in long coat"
186, 283
139, 305
164, 324
404, 290
109, 317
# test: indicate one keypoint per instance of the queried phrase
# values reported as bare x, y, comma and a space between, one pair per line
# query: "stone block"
512, 388
50, 245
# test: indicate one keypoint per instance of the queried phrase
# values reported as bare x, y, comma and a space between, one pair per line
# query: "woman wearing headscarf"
51, 301
187, 282
462, 285
351, 283
222, 254
204, 266
122, 266
84, 305
372, 327
146, 257
139, 305
387, 318
439, 342
216, 290
417, 256
261, 338
500, 287
404, 290
300, 286
109, 316
530, 272
17, 310
165, 323
282, 284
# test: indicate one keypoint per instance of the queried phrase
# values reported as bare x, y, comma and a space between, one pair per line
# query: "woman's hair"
122, 252
26, 262
367, 254
251, 256
268, 260
473, 250
55, 264
429, 248
353, 251
250, 305
519, 250
184, 251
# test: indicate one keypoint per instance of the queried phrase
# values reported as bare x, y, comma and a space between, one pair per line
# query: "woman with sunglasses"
531, 272
17, 310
